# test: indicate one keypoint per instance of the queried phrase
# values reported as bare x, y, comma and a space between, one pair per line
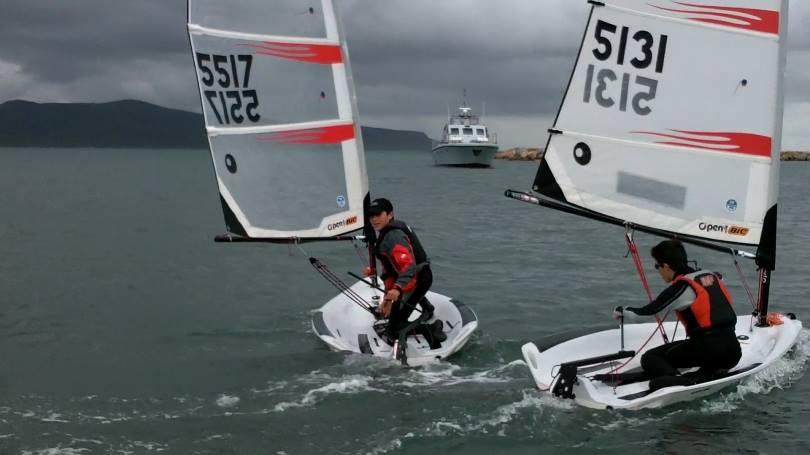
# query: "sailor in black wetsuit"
406, 274
704, 306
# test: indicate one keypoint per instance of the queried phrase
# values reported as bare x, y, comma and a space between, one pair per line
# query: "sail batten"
672, 122
277, 99
195, 29
762, 23
216, 131
695, 142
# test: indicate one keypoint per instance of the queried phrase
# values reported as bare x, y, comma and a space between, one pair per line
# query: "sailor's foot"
437, 329
437, 334
427, 310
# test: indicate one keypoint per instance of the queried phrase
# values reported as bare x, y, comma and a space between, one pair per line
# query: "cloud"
795, 134
504, 53
411, 58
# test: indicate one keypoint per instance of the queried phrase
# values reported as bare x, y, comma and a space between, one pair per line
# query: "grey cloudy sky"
411, 58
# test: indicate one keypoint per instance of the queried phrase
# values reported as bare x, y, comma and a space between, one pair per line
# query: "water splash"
782, 373
270, 388
227, 401
347, 385
500, 417
58, 450
447, 374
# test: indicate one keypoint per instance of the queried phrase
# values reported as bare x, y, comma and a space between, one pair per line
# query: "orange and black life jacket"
712, 308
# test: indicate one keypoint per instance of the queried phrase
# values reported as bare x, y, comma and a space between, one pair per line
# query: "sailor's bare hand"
385, 308
391, 296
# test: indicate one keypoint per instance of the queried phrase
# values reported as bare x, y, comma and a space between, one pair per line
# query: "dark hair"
673, 253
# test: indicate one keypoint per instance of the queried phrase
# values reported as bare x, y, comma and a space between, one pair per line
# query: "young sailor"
704, 306
406, 274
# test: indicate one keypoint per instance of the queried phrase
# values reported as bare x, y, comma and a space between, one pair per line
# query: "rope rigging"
345, 289
633, 250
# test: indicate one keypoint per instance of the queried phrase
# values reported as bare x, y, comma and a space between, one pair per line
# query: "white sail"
672, 118
279, 107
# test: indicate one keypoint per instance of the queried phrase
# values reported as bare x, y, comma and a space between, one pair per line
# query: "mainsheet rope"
342, 286
334, 280
631, 246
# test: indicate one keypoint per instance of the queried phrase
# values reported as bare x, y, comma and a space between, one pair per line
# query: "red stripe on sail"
758, 20
741, 143
324, 54
324, 135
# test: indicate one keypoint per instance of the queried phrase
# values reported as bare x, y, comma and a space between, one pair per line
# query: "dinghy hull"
344, 326
761, 346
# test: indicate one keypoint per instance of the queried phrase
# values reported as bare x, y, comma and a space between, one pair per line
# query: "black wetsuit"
405, 267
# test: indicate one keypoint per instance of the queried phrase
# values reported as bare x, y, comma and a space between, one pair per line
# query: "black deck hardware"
564, 387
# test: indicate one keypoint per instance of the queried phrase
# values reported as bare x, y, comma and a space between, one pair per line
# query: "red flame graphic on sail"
758, 20
324, 135
325, 54
743, 143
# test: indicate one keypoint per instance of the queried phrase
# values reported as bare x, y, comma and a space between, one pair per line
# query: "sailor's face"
666, 272
381, 220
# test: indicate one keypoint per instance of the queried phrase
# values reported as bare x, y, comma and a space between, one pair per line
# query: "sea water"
124, 329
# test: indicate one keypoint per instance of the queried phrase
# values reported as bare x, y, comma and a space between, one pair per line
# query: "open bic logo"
724, 228
738, 230
347, 222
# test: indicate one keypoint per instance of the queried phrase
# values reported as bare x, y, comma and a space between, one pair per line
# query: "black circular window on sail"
230, 163
582, 153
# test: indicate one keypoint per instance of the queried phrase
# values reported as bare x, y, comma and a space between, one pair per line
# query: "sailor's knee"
646, 361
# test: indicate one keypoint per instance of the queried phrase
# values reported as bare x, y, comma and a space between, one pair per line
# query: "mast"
766, 251
766, 261
370, 238
368, 230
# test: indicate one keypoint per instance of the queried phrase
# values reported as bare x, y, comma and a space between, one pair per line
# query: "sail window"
652, 190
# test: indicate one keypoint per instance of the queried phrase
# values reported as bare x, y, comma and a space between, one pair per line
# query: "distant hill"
125, 123
385, 139
136, 124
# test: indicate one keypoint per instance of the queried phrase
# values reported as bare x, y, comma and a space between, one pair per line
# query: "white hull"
472, 155
760, 347
344, 326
